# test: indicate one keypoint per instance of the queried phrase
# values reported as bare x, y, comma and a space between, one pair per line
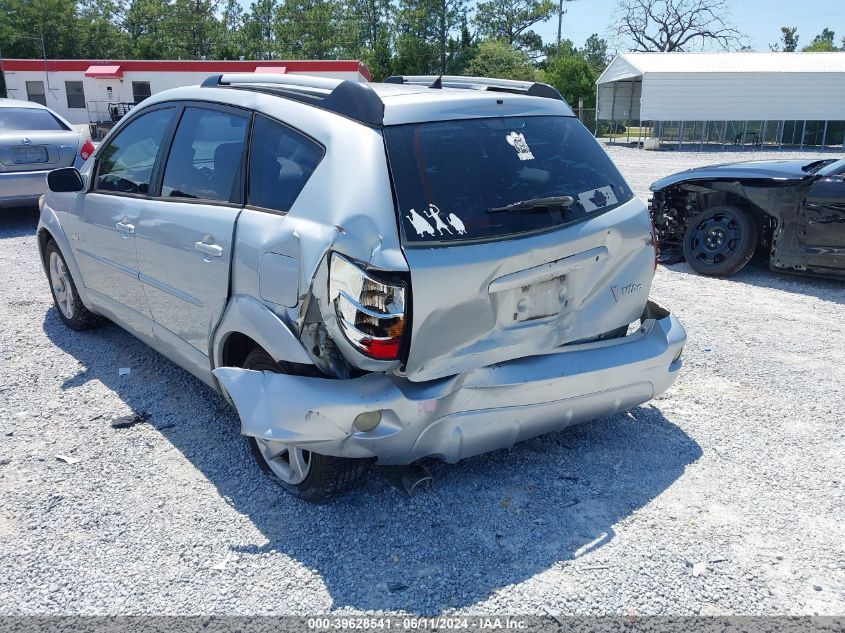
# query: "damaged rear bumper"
460, 416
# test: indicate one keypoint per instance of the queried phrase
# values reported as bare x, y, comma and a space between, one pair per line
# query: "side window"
75, 94
281, 162
206, 155
126, 164
35, 92
140, 91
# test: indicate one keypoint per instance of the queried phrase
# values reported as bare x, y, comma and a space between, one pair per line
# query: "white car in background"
33, 141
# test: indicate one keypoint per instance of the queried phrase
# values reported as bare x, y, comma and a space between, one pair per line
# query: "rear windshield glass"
465, 180
28, 120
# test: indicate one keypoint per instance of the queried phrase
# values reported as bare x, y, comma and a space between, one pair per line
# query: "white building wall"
737, 96
96, 90
622, 106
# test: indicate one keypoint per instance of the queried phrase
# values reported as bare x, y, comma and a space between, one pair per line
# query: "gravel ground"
725, 496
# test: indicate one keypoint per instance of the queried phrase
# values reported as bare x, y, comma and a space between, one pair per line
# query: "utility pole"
443, 10
560, 13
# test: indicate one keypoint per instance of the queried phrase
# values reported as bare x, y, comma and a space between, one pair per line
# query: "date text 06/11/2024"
416, 623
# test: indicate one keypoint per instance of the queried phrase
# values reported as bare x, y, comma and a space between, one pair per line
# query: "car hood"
754, 169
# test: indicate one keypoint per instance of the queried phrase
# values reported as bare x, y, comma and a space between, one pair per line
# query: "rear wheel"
302, 473
68, 304
719, 241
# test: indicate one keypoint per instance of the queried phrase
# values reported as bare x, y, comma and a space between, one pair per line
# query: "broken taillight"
370, 310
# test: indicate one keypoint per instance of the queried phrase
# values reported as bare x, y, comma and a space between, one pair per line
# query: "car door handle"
212, 250
125, 227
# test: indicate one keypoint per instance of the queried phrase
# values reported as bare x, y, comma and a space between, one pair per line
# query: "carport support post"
680, 134
613, 114
803, 131
724, 134
744, 131
630, 107
824, 136
763, 135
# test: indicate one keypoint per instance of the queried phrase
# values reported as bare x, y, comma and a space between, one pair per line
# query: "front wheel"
720, 240
302, 473
68, 304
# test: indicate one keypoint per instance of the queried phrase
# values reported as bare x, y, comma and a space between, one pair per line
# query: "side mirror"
66, 179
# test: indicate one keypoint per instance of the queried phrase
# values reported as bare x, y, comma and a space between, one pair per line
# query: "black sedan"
716, 216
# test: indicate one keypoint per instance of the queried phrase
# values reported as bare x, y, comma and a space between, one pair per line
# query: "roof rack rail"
530, 88
351, 99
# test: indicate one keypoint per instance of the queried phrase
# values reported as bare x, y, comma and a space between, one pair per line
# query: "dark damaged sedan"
715, 217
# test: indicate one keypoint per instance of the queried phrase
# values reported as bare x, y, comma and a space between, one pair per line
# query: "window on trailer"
35, 92
140, 91
75, 94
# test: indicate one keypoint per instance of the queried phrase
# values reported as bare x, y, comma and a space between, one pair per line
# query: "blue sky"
760, 20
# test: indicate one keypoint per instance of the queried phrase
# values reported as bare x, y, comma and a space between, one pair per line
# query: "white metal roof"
629, 65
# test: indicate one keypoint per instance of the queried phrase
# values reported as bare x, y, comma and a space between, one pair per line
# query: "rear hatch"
520, 236
33, 139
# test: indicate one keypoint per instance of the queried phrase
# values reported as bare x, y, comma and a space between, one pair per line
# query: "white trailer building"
98, 92
772, 99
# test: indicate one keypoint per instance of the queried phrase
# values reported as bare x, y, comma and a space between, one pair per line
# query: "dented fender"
246, 315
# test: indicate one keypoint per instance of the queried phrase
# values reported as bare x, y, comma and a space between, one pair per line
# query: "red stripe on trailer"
193, 66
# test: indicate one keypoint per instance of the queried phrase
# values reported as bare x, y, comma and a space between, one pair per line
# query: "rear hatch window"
483, 179
28, 120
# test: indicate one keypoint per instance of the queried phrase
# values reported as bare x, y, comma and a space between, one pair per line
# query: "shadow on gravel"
18, 221
757, 273
486, 523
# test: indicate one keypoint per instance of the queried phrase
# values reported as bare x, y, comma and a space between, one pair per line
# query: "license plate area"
532, 302
28, 155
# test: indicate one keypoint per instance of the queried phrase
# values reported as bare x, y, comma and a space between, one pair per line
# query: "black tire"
327, 476
69, 306
720, 240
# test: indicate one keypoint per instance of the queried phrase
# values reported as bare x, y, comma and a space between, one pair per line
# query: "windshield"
28, 120
833, 168
484, 178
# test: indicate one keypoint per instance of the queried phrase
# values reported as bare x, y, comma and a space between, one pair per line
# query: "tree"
497, 58
788, 40
311, 29
371, 21
822, 43
595, 53
152, 32
676, 25
102, 36
424, 29
197, 26
574, 77
22, 23
230, 40
510, 20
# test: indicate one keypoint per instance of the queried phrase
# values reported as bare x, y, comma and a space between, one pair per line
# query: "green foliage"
510, 20
574, 77
424, 29
22, 22
497, 58
789, 38
822, 43
391, 36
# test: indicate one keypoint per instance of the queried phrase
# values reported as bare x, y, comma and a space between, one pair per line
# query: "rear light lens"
87, 149
371, 311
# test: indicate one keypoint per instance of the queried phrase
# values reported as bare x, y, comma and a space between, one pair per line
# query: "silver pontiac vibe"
369, 272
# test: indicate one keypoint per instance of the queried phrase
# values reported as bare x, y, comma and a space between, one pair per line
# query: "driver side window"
126, 164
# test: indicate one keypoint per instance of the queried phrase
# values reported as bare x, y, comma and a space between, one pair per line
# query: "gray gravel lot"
724, 496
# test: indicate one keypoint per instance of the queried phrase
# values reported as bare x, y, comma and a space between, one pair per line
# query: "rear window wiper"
536, 204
